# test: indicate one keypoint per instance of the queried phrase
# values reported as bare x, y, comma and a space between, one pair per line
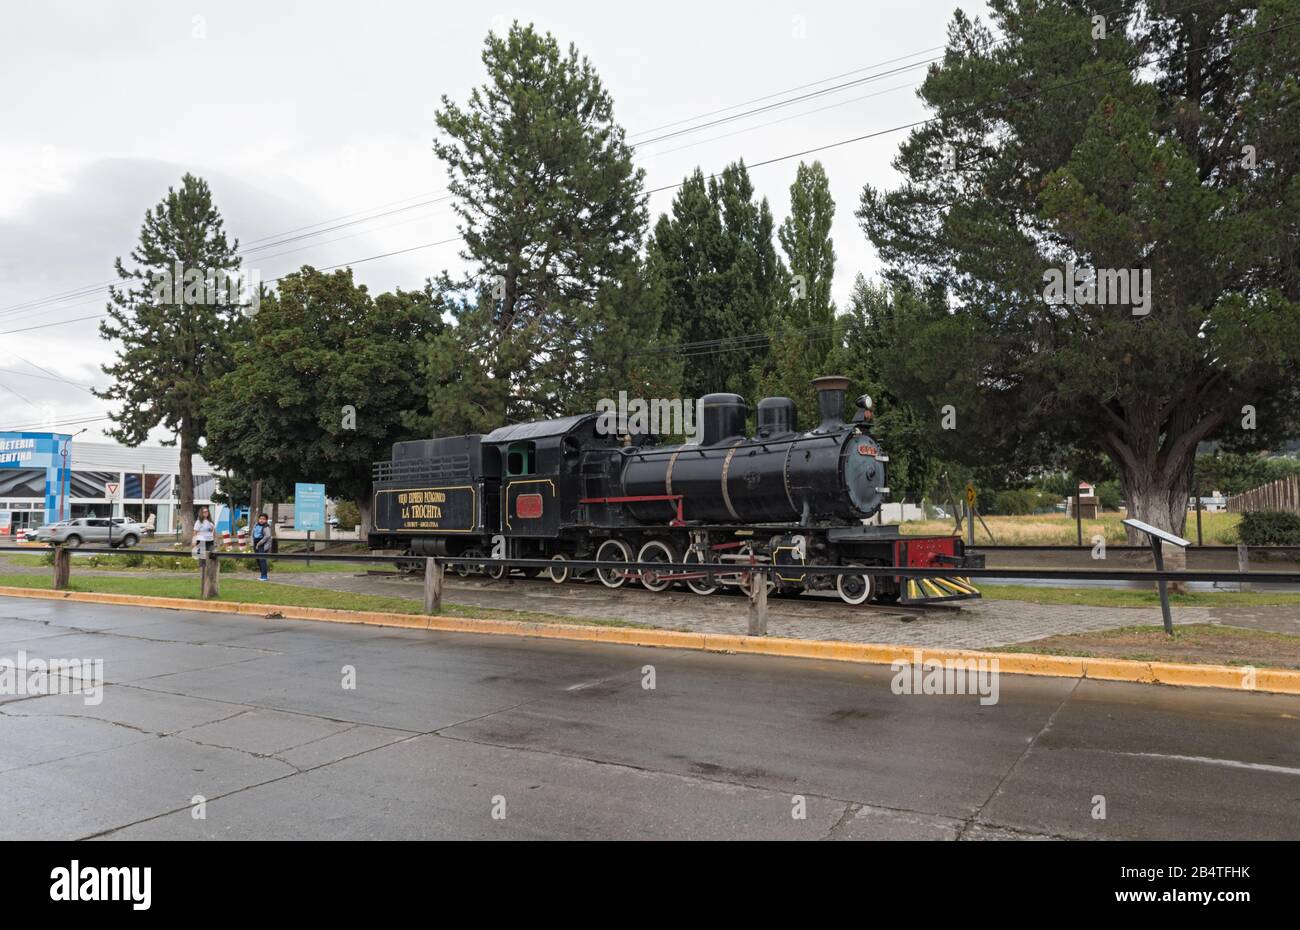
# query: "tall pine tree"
173, 332
552, 213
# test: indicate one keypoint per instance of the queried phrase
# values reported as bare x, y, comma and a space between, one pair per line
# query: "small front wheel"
855, 589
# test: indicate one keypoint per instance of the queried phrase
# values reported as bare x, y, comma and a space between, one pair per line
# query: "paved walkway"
977, 625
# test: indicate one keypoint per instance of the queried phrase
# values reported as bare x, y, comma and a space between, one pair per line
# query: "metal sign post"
970, 514
1158, 536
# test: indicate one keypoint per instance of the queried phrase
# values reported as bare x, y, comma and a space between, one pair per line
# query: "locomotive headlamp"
865, 405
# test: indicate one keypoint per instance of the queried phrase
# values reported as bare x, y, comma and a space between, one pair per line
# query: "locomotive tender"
569, 489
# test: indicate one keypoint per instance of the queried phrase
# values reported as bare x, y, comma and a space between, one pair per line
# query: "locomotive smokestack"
830, 400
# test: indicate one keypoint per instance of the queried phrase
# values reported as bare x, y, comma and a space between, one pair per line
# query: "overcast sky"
299, 113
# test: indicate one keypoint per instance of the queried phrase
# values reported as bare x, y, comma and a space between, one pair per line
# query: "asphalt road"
460, 736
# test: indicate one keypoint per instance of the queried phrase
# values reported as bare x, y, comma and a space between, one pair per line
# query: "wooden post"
433, 574
209, 572
1198, 516
757, 604
62, 567
1243, 563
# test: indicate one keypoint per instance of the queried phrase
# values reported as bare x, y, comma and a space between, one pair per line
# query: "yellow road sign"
970, 494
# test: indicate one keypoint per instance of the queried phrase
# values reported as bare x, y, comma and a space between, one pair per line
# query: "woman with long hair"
205, 532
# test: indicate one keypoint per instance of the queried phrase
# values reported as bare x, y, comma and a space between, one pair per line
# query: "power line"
778, 93
27, 400
45, 377
50, 424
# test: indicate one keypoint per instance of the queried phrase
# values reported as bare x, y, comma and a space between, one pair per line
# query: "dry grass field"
1059, 529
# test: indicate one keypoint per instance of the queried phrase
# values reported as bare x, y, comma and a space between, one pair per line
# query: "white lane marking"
1229, 763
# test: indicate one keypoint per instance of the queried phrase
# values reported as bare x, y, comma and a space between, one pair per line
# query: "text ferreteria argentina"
1099, 286
946, 676
656, 417
24, 677
211, 287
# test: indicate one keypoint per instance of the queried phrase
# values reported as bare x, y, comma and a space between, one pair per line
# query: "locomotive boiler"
570, 489
835, 472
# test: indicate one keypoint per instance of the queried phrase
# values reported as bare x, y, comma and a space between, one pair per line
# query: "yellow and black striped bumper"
929, 590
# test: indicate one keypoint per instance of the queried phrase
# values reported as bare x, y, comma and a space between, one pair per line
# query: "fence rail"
1282, 494
208, 566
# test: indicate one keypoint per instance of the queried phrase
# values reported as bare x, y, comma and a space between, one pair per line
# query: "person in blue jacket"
262, 543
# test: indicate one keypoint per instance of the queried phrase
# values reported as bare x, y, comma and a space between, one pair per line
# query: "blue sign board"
309, 506
32, 466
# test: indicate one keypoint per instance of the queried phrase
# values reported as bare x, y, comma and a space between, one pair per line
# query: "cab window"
521, 459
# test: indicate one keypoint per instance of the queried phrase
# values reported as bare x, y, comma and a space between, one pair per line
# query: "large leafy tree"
716, 264
873, 322
1167, 143
324, 385
803, 335
173, 318
551, 209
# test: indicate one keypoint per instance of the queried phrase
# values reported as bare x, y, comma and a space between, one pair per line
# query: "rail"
435, 568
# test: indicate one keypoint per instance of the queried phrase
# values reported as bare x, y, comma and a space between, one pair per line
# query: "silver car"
93, 531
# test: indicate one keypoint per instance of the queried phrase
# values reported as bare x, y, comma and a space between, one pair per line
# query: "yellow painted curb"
1236, 678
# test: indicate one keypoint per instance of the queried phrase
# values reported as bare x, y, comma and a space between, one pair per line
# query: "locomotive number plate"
528, 506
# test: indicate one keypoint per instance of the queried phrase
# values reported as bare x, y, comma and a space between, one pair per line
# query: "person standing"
205, 533
262, 543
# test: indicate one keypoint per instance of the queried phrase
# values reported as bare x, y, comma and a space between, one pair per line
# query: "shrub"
349, 514
1269, 528
1020, 501
132, 560
47, 558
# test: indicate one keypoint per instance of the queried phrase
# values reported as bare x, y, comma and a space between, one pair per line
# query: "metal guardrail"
1122, 547
435, 567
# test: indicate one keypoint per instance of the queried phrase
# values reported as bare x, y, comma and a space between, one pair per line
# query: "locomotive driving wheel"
658, 551
745, 551
613, 550
855, 589
464, 569
559, 571
702, 586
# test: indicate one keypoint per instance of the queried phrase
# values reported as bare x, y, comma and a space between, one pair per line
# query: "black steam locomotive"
573, 488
